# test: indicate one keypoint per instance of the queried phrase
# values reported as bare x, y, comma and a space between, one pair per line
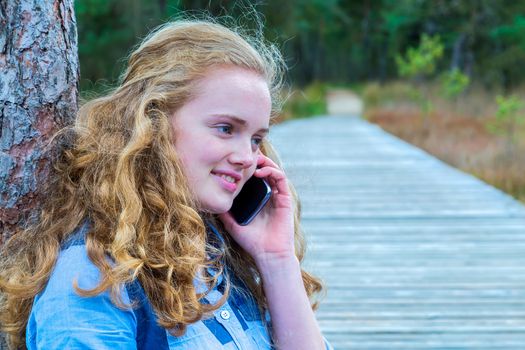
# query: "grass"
311, 100
455, 131
304, 103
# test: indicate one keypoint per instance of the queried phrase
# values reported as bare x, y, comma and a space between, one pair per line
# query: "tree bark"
39, 76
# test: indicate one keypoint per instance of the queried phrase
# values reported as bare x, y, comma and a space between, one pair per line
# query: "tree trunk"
457, 52
39, 75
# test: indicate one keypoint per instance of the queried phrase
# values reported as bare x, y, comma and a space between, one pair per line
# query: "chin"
217, 208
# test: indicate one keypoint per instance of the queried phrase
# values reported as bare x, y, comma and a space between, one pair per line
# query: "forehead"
231, 91
232, 80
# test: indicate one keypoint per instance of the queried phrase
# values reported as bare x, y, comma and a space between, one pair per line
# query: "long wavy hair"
118, 168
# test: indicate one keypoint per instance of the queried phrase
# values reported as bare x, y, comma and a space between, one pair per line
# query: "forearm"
293, 320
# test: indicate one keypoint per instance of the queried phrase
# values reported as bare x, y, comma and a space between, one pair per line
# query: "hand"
271, 233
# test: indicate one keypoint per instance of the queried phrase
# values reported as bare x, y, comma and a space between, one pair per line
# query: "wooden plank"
415, 254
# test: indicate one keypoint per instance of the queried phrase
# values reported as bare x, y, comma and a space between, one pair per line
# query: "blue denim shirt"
61, 319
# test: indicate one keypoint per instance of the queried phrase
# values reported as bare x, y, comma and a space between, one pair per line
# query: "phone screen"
251, 199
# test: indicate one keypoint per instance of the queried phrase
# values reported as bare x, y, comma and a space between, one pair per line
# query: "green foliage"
508, 117
333, 41
512, 31
507, 60
108, 30
508, 107
454, 83
308, 102
421, 60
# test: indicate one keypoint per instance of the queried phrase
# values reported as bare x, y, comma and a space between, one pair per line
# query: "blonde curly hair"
118, 169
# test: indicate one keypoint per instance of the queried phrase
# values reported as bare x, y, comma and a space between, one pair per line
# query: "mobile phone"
251, 199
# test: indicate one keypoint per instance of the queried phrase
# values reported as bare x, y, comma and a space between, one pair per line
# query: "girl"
135, 247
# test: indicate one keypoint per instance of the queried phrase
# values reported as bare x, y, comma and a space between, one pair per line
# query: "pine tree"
39, 74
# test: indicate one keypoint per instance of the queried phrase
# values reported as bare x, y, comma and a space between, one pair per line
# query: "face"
218, 132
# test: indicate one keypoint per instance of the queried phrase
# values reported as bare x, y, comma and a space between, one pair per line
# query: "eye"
256, 142
224, 129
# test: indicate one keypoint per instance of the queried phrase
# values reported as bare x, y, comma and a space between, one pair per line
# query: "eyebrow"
240, 121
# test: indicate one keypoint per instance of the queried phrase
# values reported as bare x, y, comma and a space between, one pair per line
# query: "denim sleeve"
61, 319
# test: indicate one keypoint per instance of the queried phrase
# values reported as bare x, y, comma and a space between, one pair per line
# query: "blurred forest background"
445, 75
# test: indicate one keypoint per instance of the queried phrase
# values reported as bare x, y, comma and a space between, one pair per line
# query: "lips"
228, 186
232, 174
227, 179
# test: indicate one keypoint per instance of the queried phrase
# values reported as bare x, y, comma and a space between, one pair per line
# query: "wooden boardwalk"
415, 254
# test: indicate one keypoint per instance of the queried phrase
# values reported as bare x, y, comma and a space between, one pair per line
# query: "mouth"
228, 181
228, 178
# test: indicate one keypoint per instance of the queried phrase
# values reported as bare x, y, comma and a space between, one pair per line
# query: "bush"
304, 103
421, 61
454, 83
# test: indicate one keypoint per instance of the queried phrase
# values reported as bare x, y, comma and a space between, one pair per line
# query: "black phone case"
254, 195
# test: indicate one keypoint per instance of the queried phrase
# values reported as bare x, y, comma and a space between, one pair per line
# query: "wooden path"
415, 254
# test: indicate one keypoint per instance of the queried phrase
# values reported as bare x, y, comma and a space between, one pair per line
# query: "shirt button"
225, 314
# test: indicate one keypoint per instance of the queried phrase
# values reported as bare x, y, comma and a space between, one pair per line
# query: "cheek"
252, 169
188, 157
249, 173
197, 156
188, 146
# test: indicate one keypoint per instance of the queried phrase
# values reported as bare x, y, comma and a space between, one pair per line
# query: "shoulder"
59, 315
73, 265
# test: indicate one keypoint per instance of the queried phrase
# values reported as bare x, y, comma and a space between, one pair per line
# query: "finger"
272, 173
276, 177
263, 161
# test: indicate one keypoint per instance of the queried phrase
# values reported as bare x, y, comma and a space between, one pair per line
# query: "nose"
243, 156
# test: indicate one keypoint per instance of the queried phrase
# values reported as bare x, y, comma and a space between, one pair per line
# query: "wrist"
275, 263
